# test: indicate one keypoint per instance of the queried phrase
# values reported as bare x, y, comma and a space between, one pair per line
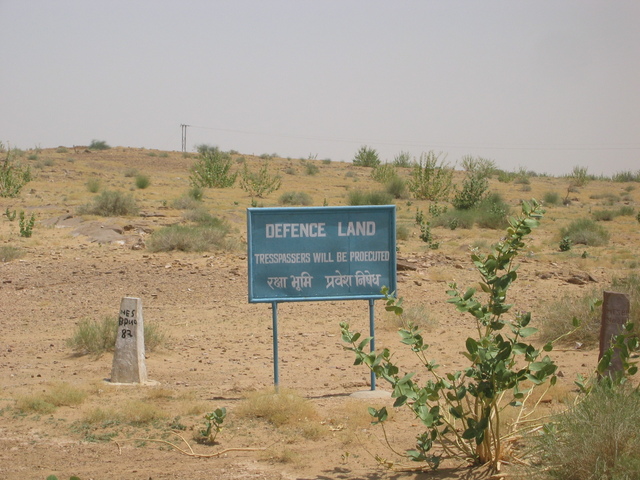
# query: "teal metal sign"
321, 253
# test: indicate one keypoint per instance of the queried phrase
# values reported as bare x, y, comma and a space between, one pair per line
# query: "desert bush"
492, 212
295, 198
586, 232
626, 211
596, 439
431, 178
626, 176
402, 160
92, 337
212, 169
358, 197
609, 198
461, 410
8, 253
61, 150
402, 232
366, 157
280, 408
142, 181
397, 187
551, 198
311, 168
98, 145
506, 177
453, 219
130, 172
384, 172
13, 176
579, 176
93, 185
475, 184
556, 319
111, 204
188, 238
196, 193
261, 183
185, 202
417, 315
604, 215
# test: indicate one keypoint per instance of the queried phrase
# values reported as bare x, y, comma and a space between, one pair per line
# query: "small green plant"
475, 184
213, 424
461, 410
13, 176
366, 157
565, 244
397, 187
26, 224
295, 198
311, 168
93, 185
431, 178
142, 181
260, 183
427, 237
99, 145
208, 234
10, 215
110, 204
212, 169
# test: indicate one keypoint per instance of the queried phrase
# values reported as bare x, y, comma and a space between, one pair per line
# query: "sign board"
321, 253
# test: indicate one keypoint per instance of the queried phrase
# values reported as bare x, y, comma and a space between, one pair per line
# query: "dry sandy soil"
219, 347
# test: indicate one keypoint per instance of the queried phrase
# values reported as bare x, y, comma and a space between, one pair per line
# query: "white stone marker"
128, 360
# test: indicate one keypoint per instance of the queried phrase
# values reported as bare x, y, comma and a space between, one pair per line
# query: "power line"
414, 143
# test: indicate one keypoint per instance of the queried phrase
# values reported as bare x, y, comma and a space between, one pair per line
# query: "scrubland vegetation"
486, 412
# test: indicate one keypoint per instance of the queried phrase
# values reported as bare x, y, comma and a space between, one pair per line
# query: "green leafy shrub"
461, 410
565, 244
431, 178
366, 157
13, 176
604, 215
585, 232
142, 181
402, 232
261, 183
111, 204
475, 184
98, 145
26, 224
492, 212
384, 173
455, 219
626, 176
596, 439
212, 169
358, 197
92, 337
295, 198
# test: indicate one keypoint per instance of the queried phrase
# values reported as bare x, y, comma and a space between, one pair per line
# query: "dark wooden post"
615, 313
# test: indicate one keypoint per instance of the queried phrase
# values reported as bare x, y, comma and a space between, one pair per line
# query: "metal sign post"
320, 253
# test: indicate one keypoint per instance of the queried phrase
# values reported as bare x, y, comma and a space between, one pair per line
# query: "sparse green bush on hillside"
212, 169
397, 187
208, 234
366, 157
142, 181
586, 232
295, 198
627, 176
98, 145
111, 204
384, 172
8, 253
358, 197
261, 183
431, 178
402, 160
13, 176
475, 184
551, 198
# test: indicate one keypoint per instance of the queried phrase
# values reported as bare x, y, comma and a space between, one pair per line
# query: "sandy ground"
218, 349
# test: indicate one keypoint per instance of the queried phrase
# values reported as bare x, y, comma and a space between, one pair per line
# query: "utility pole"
183, 127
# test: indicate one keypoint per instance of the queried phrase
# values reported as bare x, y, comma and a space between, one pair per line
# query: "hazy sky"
545, 85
